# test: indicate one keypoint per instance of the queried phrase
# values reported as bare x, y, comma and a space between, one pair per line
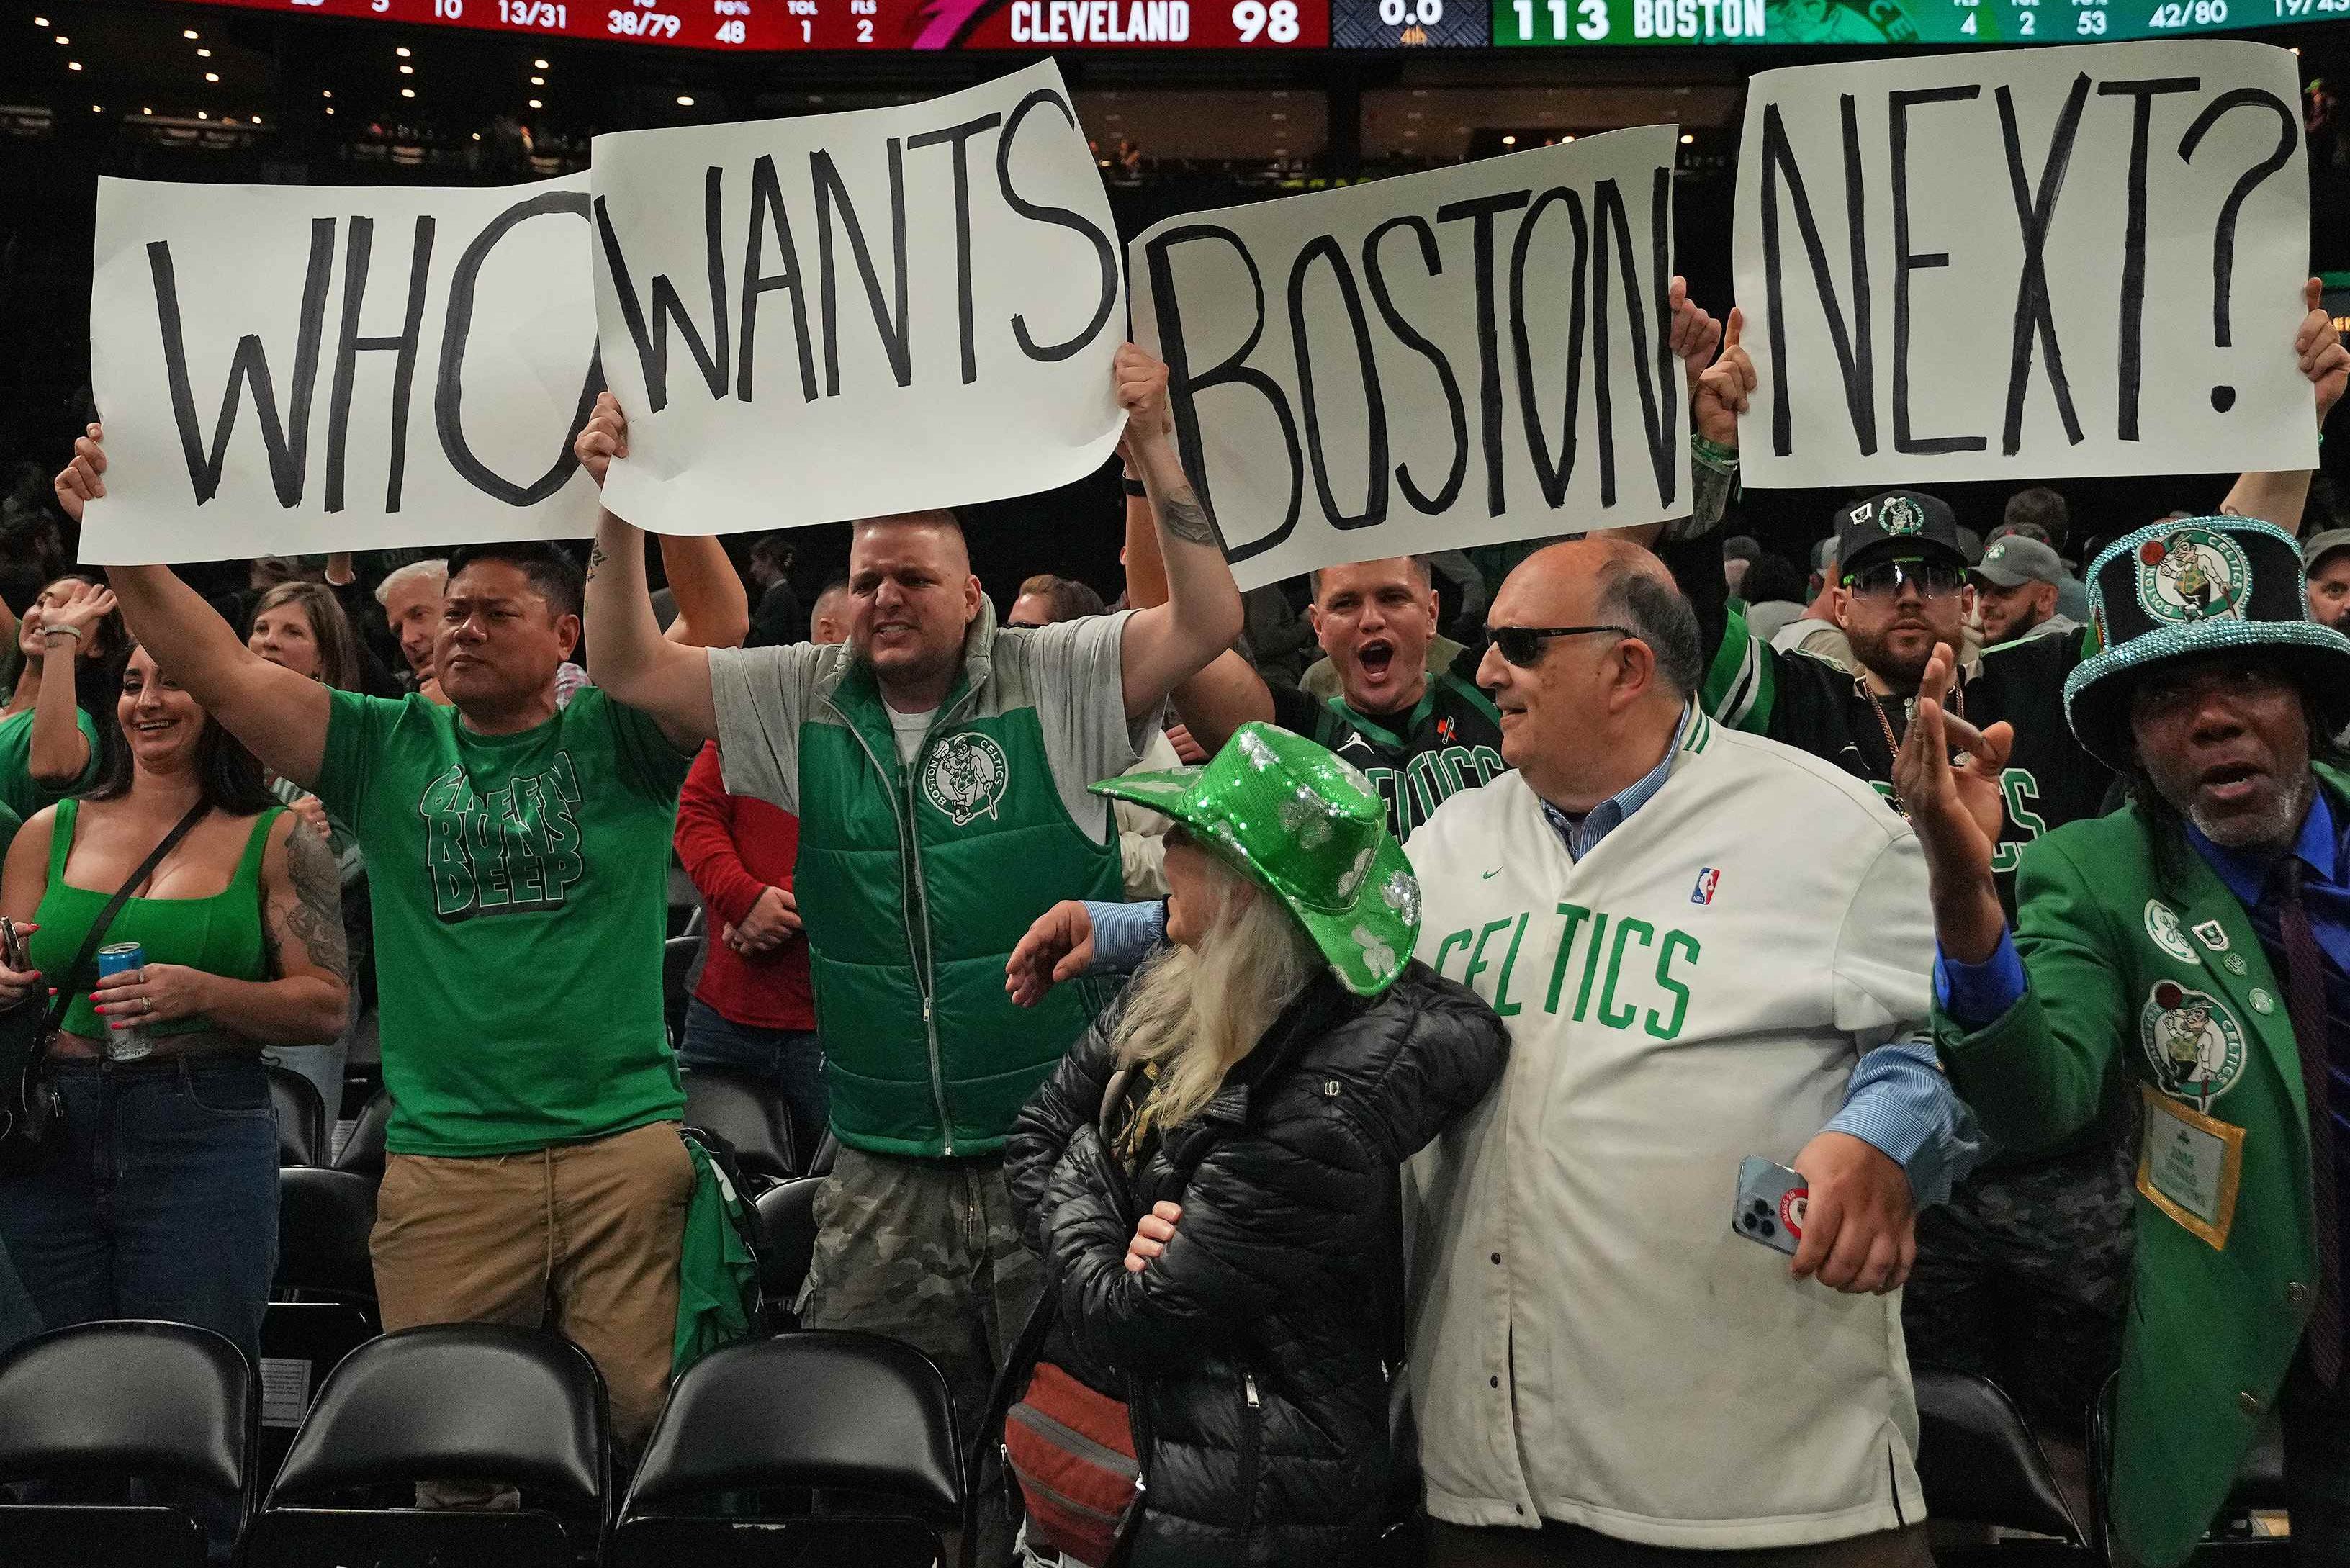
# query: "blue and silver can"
131, 1043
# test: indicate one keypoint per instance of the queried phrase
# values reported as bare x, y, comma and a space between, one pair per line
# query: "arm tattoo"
1184, 519
595, 557
317, 918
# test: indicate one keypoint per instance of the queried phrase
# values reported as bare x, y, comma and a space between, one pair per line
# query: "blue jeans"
163, 1203
788, 1059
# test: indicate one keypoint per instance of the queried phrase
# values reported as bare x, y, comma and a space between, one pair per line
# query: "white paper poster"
851, 315
2033, 264
1464, 357
300, 369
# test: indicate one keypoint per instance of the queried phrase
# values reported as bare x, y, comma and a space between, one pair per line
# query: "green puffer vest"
915, 885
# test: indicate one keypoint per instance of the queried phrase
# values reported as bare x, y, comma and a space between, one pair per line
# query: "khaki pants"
1556, 1545
584, 1236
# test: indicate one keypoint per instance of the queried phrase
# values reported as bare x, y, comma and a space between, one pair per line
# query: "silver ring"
145, 1007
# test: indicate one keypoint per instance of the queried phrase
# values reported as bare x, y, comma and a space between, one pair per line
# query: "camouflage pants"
927, 1252
2023, 1277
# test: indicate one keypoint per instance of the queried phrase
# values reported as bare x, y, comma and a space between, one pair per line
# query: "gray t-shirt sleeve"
762, 694
1077, 670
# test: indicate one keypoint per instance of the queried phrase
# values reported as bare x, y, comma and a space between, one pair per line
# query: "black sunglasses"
1934, 579
1521, 645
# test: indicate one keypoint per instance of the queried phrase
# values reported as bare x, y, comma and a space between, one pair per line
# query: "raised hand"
2323, 360
1720, 396
1956, 810
603, 438
84, 606
1695, 334
84, 479
1141, 383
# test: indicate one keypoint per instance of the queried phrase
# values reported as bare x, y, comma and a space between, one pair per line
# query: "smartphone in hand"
1771, 1201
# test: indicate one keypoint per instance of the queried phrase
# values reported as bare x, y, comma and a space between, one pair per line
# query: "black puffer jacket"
1256, 1353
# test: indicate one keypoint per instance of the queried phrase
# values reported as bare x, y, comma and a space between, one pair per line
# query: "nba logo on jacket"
1708, 880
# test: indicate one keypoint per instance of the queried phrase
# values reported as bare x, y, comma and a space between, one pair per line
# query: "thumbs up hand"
1721, 392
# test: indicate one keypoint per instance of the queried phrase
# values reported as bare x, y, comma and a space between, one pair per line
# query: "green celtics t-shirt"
17, 790
520, 884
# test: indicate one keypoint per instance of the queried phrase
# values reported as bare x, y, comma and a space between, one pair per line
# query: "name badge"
2189, 1165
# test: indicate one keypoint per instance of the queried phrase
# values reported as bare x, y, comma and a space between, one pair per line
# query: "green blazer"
2119, 922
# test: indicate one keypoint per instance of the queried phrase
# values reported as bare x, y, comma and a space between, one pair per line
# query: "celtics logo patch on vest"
2191, 575
966, 776
2191, 1041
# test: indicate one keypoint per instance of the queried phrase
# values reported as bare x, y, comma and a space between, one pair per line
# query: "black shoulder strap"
70, 985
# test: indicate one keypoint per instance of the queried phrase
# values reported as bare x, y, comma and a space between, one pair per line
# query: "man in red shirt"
752, 1011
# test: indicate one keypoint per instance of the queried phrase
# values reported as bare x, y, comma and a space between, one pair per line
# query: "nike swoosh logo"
1489, 875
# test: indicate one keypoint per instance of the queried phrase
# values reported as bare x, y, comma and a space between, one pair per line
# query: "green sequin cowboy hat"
1305, 823
2191, 586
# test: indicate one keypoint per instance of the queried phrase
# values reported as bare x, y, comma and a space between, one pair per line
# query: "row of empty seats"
807, 1447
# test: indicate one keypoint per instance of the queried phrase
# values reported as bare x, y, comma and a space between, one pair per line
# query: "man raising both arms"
938, 764
519, 857
1420, 734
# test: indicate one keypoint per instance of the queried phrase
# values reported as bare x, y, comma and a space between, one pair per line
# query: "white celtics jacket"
1591, 1342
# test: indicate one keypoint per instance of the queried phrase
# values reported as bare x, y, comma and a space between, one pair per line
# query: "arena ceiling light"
402, 52
204, 53
189, 32
685, 100
209, 76
535, 104
408, 92
538, 64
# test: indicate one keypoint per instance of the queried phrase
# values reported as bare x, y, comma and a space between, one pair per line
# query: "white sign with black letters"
850, 314
1469, 356
2029, 263
291, 369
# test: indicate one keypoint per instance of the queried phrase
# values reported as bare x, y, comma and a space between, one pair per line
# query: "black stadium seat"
866, 1420
787, 1244
452, 1403
364, 1152
1979, 1461
301, 1117
323, 1220
164, 1402
751, 1119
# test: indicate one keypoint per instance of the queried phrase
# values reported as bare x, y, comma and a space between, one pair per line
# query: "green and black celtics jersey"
1451, 741
1822, 708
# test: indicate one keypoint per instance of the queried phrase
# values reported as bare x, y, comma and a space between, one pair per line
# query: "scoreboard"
769, 26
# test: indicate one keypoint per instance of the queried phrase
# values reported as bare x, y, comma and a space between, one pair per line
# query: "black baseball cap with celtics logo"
1899, 524
2186, 587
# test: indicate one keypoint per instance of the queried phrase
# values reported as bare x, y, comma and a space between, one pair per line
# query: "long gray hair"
1197, 1010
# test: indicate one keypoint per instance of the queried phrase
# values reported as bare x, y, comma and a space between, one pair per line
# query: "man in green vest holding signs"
2199, 942
938, 764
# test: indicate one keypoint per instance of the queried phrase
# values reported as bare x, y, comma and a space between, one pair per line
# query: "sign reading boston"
290, 370
851, 315
2028, 265
1463, 356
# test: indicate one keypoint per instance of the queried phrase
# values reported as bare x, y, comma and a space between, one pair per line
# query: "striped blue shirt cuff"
1899, 1103
1125, 935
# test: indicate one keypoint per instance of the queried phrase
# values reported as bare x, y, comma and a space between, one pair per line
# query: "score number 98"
1276, 22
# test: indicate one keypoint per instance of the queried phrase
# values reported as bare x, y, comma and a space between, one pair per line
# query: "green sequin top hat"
2189, 586
1305, 823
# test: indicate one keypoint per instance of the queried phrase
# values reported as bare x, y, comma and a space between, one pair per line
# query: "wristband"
49, 631
1713, 454
1135, 486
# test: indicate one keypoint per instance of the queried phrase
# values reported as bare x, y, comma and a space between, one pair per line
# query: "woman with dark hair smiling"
165, 1202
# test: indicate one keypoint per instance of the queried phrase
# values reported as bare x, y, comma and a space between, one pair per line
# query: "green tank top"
220, 935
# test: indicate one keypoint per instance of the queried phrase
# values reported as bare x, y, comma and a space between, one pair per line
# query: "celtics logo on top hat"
966, 776
2191, 575
1902, 517
2192, 1043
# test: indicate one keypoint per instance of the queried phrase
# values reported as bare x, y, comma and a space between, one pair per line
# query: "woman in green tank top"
164, 1204
49, 746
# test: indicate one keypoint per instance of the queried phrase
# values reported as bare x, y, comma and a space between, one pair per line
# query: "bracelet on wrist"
49, 631
1713, 454
1135, 486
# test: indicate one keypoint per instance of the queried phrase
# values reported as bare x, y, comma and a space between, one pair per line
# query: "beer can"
133, 1043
